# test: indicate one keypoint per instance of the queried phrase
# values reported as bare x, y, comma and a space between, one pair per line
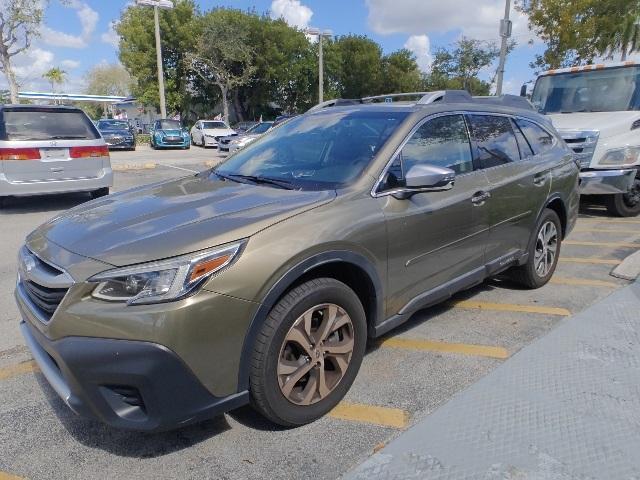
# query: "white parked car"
206, 133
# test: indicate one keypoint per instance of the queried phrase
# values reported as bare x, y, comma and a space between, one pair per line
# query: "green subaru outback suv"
262, 279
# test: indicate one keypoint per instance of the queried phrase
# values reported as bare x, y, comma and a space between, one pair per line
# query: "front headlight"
165, 280
621, 156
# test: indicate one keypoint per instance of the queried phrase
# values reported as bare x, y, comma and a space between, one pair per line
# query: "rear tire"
625, 204
3, 202
543, 250
101, 192
302, 367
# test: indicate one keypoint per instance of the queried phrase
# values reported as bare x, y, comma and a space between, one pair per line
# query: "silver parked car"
236, 142
51, 149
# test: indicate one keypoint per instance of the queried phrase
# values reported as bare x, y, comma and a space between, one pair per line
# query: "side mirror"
523, 90
426, 178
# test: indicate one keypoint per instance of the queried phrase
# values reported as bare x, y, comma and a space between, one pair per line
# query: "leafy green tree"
109, 79
55, 76
400, 73
458, 67
359, 62
578, 31
223, 55
179, 30
20, 22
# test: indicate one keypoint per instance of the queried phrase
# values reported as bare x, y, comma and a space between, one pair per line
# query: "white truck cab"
596, 109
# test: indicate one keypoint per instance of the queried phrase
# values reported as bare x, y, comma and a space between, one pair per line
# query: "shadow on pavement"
125, 443
44, 203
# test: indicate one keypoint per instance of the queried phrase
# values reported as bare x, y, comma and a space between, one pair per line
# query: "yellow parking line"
9, 476
602, 244
19, 369
461, 348
608, 220
358, 412
582, 282
606, 230
509, 307
595, 261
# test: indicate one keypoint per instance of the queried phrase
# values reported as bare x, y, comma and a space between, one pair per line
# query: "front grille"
45, 298
173, 140
114, 140
583, 143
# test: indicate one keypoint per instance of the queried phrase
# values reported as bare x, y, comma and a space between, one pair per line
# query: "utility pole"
158, 4
505, 33
321, 34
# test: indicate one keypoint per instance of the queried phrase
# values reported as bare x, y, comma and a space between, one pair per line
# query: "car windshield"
211, 125
316, 152
113, 125
260, 128
46, 124
169, 125
606, 90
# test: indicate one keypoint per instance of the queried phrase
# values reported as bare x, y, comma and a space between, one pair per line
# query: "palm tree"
55, 76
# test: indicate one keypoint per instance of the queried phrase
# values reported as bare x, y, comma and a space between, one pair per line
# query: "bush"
142, 139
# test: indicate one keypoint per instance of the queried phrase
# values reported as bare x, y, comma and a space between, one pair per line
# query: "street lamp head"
317, 32
165, 4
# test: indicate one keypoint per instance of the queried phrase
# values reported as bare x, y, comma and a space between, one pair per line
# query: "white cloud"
292, 11
420, 46
70, 64
474, 18
111, 36
88, 18
33, 64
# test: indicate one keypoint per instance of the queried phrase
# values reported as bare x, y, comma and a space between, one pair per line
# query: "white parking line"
180, 168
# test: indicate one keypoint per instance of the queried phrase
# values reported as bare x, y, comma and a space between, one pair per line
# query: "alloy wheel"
546, 249
315, 354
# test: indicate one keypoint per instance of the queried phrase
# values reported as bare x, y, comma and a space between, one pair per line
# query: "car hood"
218, 132
172, 132
111, 133
173, 218
609, 124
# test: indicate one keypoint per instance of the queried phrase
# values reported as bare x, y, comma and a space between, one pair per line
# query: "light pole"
320, 34
167, 5
505, 33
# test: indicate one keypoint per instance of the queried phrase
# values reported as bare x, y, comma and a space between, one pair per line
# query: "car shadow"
43, 203
125, 443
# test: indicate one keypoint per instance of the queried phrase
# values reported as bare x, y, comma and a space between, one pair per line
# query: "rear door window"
47, 124
494, 139
539, 139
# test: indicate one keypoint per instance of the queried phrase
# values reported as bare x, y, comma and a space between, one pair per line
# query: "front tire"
625, 204
544, 250
308, 352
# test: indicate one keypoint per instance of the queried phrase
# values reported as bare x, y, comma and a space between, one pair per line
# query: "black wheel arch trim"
286, 281
553, 197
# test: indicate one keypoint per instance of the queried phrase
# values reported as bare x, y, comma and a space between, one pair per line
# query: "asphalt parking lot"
403, 378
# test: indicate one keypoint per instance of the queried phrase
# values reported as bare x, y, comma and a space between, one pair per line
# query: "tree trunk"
5, 60
623, 56
237, 106
224, 90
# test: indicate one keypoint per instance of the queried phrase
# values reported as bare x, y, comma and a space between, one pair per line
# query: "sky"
79, 34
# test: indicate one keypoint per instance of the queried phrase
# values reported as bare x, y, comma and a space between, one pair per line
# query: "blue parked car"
168, 133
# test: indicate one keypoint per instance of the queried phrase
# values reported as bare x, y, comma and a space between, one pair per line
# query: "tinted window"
539, 139
49, 124
443, 142
495, 140
113, 125
169, 125
319, 151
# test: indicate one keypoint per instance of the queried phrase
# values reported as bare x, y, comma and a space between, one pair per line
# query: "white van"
51, 149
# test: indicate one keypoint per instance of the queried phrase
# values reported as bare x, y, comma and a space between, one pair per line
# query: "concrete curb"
629, 269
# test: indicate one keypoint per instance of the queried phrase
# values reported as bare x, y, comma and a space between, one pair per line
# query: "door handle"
479, 198
57, 169
540, 178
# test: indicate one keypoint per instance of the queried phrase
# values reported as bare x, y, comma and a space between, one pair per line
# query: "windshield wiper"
266, 180
256, 179
68, 137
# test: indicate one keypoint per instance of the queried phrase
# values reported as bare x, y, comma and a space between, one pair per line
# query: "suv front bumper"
606, 182
127, 384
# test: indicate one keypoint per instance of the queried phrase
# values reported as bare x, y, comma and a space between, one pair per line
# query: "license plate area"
48, 154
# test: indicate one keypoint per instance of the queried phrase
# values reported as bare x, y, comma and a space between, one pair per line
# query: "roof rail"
427, 98
514, 101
